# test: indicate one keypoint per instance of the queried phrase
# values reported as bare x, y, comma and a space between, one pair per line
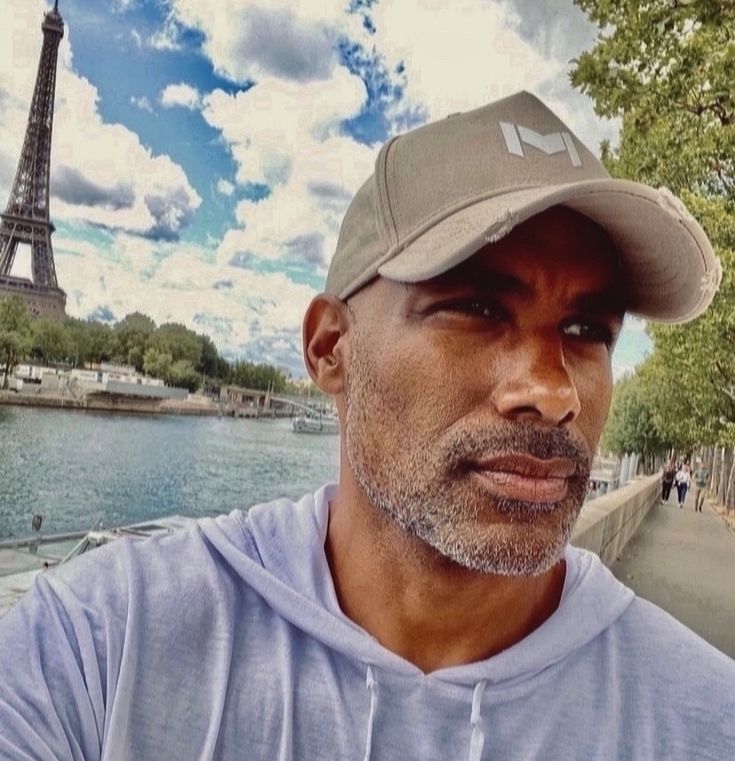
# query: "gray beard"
426, 490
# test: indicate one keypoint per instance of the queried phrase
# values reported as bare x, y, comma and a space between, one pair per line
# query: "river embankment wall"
111, 403
607, 523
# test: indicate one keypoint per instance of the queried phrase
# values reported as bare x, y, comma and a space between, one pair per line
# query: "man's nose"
535, 385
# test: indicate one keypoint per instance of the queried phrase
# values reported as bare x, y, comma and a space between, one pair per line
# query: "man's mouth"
524, 478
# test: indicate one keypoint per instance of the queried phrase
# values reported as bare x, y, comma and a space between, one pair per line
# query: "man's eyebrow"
608, 302
482, 278
605, 301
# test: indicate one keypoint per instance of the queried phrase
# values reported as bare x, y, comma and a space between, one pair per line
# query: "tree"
15, 334
130, 338
173, 372
631, 426
183, 375
261, 377
209, 359
50, 341
157, 363
87, 341
667, 68
178, 341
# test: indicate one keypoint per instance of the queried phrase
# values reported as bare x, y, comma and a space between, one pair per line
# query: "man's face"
475, 400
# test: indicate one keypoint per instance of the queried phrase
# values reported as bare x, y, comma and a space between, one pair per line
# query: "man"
701, 481
427, 606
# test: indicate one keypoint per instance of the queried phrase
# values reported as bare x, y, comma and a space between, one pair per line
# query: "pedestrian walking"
683, 479
667, 480
701, 479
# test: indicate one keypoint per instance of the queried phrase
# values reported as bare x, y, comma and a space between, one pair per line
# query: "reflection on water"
80, 468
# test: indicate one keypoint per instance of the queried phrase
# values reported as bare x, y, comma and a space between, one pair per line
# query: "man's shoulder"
207, 554
665, 649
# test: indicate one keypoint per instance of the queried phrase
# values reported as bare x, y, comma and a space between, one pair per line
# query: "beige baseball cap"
441, 192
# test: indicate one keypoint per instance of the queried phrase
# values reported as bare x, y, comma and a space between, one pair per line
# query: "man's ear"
324, 335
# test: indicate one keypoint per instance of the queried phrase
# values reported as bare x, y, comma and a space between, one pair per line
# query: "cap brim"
667, 260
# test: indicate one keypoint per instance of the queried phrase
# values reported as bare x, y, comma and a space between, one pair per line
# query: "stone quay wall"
607, 523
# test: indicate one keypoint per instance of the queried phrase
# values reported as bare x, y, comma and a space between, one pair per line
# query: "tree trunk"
716, 469
727, 462
709, 457
730, 492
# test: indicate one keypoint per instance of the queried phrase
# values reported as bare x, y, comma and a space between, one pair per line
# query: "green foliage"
667, 68
261, 377
50, 342
631, 426
172, 352
15, 335
210, 363
156, 363
130, 337
174, 372
183, 374
89, 341
178, 341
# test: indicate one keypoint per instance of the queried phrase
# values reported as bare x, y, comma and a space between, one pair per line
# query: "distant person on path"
428, 604
667, 480
701, 481
683, 479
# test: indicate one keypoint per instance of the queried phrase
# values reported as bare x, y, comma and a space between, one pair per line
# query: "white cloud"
239, 309
463, 54
252, 39
182, 95
458, 55
285, 131
286, 135
167, 37
633, 344
123, 5
101, 173
225, 187
143, 103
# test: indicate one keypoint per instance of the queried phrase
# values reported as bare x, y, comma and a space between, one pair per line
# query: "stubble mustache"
465, 446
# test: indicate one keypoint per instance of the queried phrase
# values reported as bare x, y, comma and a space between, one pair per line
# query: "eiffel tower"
26, 218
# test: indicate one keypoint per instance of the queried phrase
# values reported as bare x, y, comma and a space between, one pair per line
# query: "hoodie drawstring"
372, 687
477, 740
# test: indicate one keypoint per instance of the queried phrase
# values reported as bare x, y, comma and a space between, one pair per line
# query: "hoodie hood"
286, 564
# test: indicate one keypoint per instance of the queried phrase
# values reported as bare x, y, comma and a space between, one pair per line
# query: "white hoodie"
226, 642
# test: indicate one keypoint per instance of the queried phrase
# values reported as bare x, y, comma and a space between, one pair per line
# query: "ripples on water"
79, 468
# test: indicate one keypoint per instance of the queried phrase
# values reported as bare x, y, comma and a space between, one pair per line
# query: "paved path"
685, 563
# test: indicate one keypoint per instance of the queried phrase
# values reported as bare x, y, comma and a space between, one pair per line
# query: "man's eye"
590, 331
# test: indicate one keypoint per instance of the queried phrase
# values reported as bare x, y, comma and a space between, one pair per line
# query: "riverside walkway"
684, 562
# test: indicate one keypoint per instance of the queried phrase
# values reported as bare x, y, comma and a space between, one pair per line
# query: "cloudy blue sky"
204, 153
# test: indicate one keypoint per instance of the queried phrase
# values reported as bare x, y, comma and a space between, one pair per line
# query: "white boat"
21, 560
316, 424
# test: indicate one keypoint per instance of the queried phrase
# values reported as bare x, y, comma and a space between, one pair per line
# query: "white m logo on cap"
554, 142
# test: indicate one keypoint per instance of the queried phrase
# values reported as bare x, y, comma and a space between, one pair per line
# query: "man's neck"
423, 607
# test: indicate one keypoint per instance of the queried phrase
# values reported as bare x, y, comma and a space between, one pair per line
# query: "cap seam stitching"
389, 223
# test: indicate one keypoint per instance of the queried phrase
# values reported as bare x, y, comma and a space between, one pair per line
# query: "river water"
80, 468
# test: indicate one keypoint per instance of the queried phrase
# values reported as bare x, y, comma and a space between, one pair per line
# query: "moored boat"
316, 424
21, 560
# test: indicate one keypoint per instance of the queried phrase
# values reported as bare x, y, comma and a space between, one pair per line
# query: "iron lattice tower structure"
26, 218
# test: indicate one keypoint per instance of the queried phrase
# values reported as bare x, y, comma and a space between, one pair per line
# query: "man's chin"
514, 544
